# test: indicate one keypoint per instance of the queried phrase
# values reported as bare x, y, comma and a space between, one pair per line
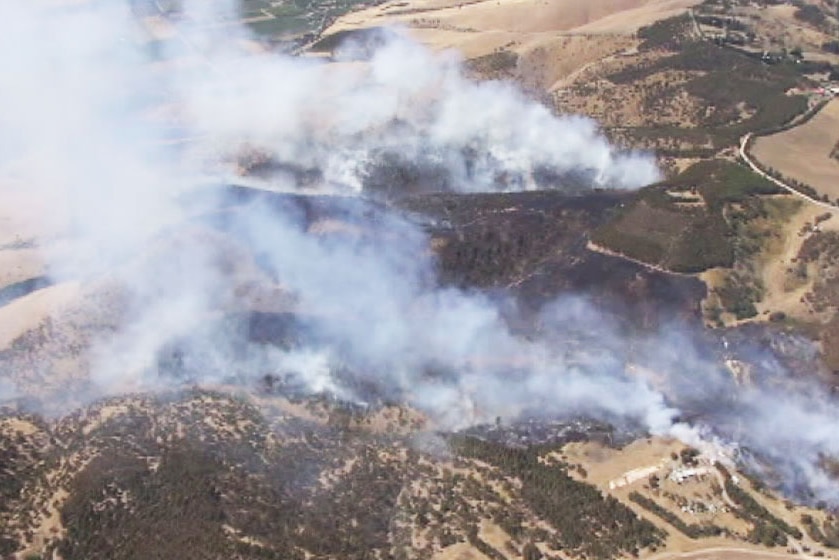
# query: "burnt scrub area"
496, 241
531, 245
393, 174
534, 245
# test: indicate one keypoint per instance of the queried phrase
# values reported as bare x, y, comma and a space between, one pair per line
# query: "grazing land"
806, 153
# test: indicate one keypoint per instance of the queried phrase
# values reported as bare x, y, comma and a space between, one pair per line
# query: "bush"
767, 526
810, 14
586, 521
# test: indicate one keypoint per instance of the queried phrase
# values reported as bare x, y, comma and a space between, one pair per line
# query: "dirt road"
745, 156
730, 553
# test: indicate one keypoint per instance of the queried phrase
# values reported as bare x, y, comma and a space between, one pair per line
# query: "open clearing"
621, 471
551, 39
522, 17
803, 152
782, 293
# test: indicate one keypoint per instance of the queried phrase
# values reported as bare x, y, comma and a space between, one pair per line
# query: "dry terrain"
551, 41
216, 470
646, 71
223, 477
520, 20
785, 285
804, 152
778, 27
654, 467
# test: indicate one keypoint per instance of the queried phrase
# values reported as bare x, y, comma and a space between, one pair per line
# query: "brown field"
552, 39
725, 553
460, 551
803, 152
526, 17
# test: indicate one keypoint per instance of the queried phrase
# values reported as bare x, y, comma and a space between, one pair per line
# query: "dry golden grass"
604, 465
496, 537
18, 265
553, 40
803, 152
783, 290
781, 28
524, 17
27, 313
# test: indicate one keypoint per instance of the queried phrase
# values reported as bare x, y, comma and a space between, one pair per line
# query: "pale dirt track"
591, 246
727, 553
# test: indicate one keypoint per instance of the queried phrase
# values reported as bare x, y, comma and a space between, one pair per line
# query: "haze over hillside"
281, 282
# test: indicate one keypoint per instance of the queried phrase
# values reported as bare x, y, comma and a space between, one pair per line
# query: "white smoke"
8, 391
75, 103
69, 92
404, 100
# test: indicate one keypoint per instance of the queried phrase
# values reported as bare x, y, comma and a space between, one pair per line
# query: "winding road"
744, 141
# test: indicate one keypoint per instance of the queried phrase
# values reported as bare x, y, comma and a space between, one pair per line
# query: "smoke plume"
118, 148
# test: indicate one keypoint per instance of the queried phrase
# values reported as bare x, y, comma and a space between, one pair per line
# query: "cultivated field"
803, 152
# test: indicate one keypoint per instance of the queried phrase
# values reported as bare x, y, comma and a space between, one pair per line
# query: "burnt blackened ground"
531, 248
23, 288
539, 431
533, 245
